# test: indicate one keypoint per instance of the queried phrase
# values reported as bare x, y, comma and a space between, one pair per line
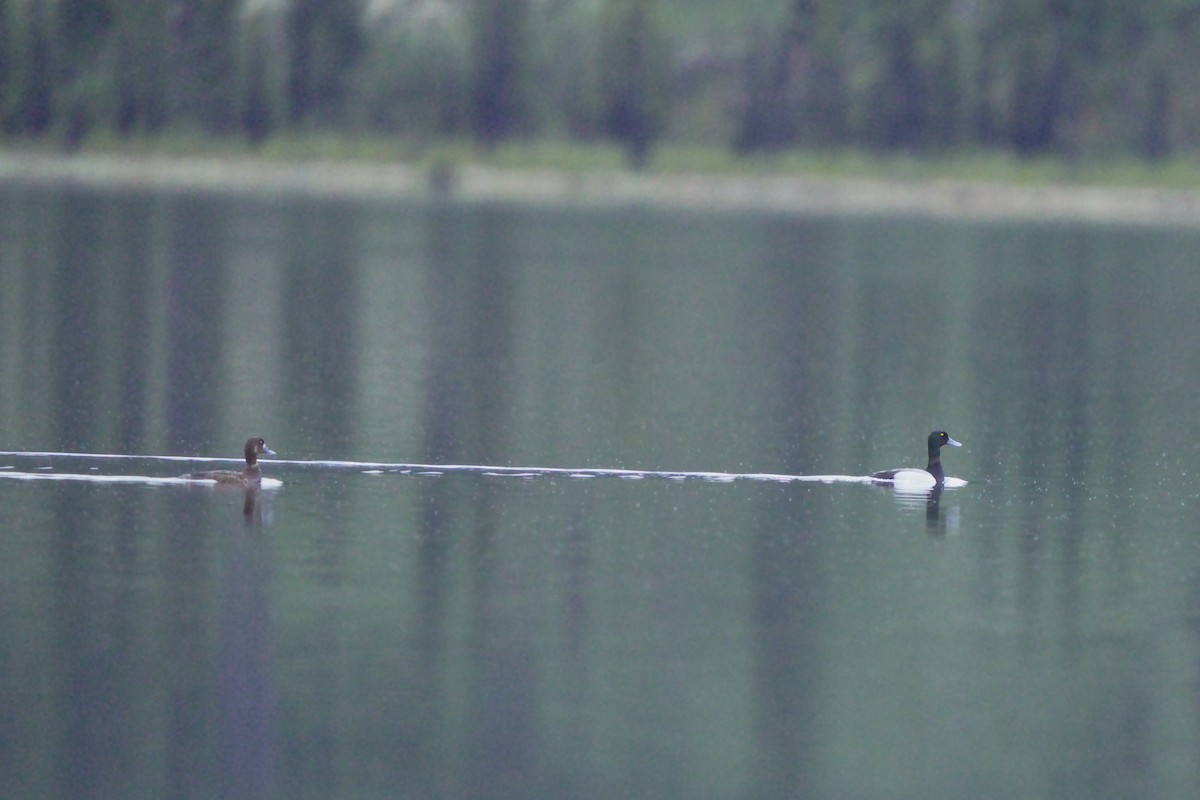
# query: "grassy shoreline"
981, 166
961, 187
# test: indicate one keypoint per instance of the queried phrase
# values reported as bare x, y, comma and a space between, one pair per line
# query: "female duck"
250, 476
934, 468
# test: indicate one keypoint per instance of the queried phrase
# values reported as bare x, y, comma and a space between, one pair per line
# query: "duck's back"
227, 476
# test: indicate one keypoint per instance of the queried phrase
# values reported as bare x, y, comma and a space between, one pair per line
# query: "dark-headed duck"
250, 476
934, 467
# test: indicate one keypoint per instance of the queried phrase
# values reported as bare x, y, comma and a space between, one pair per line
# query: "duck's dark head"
256, 446
937, 439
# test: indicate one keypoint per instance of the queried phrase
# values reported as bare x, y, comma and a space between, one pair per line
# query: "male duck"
934, 468
250, 476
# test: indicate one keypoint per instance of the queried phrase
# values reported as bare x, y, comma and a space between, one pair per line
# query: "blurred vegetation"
1073, 81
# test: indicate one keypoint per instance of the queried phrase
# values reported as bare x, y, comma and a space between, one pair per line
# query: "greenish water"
382, 633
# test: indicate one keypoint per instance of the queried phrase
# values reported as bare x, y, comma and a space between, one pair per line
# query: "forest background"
1067, 79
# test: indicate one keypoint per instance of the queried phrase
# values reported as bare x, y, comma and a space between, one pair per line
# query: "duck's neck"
935, 465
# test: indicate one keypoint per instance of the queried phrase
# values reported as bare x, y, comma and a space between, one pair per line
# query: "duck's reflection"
935, 521
250, 506
256, 507
245, 678
938, 521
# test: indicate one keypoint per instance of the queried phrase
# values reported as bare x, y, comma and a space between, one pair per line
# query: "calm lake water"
383, 632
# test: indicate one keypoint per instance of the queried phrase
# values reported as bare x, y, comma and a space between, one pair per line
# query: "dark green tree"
498, 106
202, 58
795, 89
413, 79
257, 98
562, 68
82, 69
898, 110
1039, 88
1070, 63
1155, 142
325, 42
948, 83
139, 66
769, 108
32, 94
634, 66
8, 58
916, 98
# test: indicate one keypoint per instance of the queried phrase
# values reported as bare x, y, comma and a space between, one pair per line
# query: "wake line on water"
143, 480
384, 467
71, 476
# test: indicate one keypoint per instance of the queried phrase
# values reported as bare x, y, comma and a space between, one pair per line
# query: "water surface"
369, 631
